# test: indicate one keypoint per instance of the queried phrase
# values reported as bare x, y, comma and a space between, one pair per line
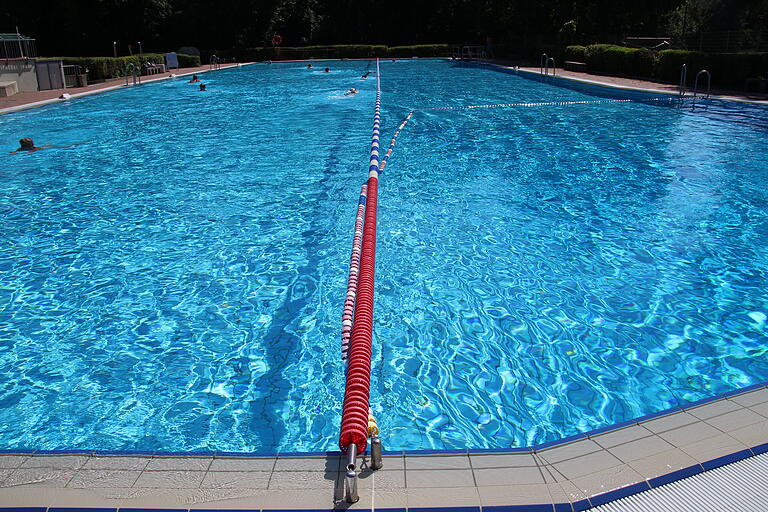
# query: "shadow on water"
282, 345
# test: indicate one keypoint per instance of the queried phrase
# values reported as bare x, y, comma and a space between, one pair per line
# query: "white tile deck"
570, 472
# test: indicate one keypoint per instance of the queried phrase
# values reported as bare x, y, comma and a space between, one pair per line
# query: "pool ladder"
544, 65
214, 63
696, 83
134, 71
684, 77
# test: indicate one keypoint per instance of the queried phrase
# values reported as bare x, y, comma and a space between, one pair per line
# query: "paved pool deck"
26, 100
22, 101
574, 474
647, 85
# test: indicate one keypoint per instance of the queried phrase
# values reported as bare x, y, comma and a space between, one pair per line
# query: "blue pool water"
176, 281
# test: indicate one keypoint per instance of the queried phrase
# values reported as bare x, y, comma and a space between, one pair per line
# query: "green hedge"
348, 51
104, 68
727, 69
606, 58
188, 61
670, 62
421, 50
576, 53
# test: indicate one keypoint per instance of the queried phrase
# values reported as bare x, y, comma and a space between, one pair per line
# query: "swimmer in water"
309, 66
202, 87
366, 74
327, 70
351, 92
194, 79
26, 144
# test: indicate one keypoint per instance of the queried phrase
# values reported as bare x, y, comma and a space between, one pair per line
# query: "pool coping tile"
538, 452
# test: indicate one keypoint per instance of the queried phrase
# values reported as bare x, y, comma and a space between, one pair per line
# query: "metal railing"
214, 63
134, 71
683, 79
544, 65
696, 83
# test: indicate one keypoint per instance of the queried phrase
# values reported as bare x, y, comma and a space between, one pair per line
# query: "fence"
726, 41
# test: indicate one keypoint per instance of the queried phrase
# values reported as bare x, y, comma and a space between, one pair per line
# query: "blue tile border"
675, 475
521, 508
565, 440
442, 509
581, 505
726, 459
464, 451
151, 509
477, 451
622, 492
81, 509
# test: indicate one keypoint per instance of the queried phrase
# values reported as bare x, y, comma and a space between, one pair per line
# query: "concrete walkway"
25, 100
647, 85
577, 474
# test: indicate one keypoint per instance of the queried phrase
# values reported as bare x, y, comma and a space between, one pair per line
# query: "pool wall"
575, 473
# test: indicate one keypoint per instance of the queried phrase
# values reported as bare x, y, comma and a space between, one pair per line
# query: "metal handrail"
683, 79
696, 83
134, 71
546, 68
542, 62
213, 63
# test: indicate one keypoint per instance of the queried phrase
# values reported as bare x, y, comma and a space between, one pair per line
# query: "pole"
18, 37
114, 48
140, 51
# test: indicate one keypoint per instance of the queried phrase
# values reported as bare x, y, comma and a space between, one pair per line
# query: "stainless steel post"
376, 459
350, 480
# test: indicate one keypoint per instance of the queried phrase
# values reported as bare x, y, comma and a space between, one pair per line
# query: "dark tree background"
88, 27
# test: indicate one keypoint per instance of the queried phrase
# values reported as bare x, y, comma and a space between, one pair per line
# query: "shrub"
732, 69
605, 58
350, 51
576, 53
188, 61
670, 62
421, 50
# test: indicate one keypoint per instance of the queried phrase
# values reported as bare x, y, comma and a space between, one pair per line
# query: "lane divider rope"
354, 269
354, 419
394, 139
546, 103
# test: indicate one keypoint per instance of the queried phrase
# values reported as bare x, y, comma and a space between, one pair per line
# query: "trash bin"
82, 80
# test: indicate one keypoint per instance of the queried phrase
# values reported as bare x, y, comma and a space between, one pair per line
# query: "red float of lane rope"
354, 420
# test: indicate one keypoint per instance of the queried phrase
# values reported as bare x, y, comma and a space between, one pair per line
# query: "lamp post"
140, 52
114, 48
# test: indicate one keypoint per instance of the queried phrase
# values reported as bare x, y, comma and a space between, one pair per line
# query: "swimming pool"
176, 283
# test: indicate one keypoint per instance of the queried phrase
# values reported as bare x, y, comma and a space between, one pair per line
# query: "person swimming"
327, 70
351, 92
202, 86
26, 144
309, 66
366, 74
194, 79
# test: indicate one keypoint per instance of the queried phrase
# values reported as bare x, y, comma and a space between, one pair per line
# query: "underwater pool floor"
573, 474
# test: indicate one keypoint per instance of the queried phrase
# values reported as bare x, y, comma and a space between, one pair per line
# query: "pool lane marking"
355, 412
354, 271
546, 103
391, 149
394, 139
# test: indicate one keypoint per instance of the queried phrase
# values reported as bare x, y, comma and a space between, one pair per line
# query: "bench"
8, 89
575, 66
151, 69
